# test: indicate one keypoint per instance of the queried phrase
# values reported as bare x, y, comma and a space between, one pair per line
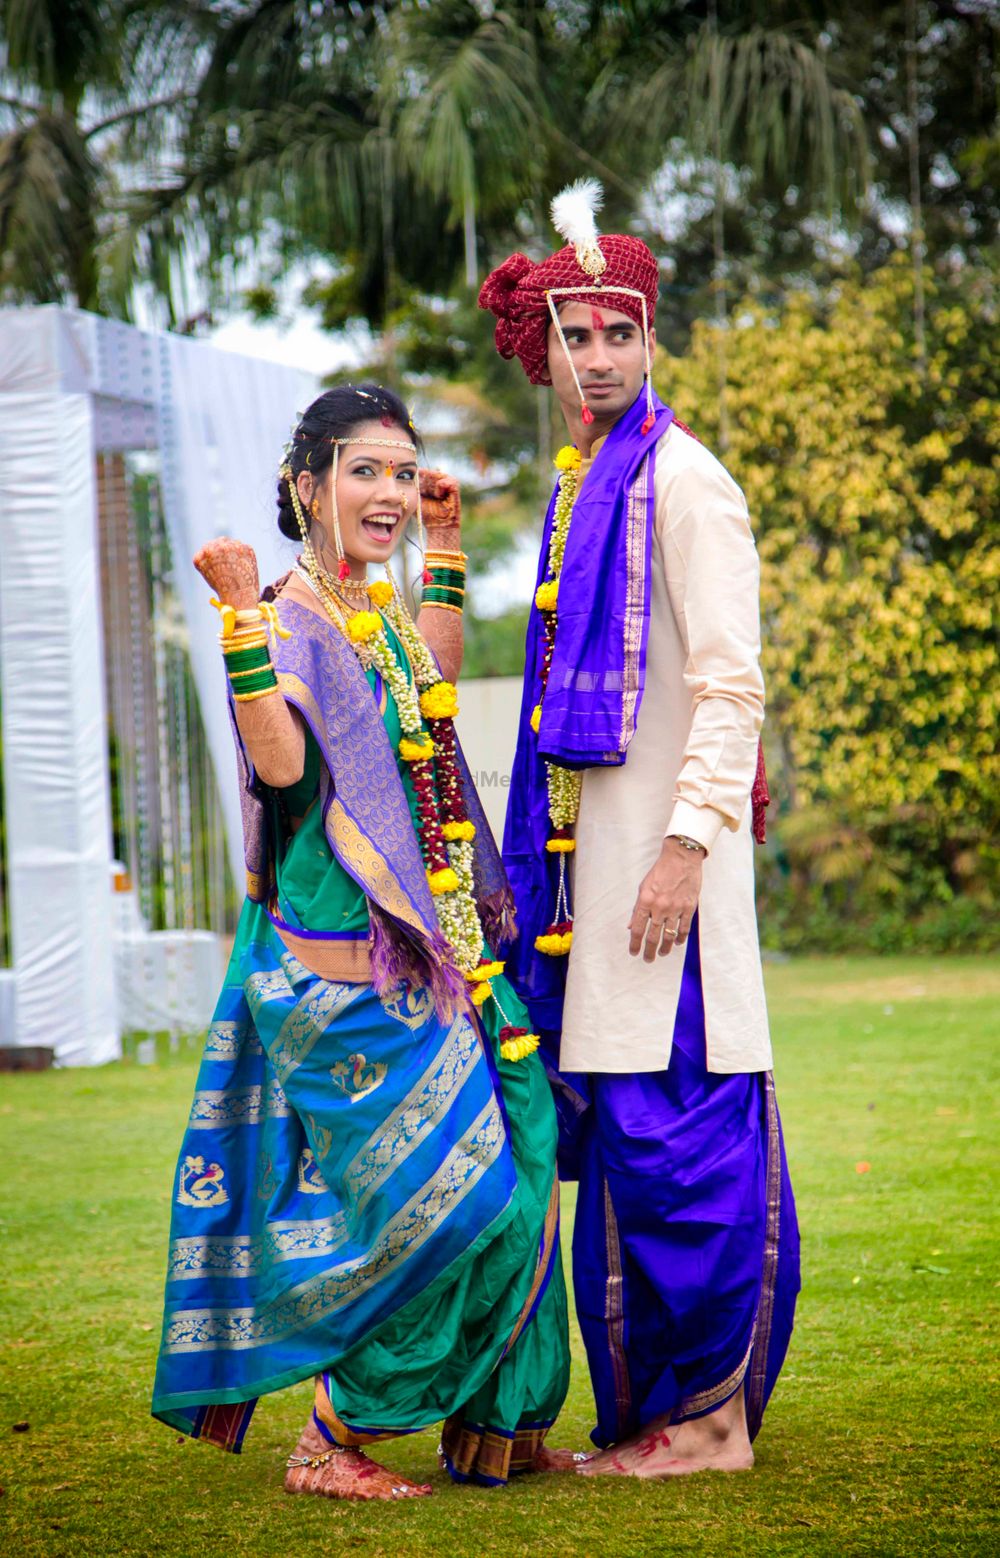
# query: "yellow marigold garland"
439, 701
563, 784
416, 751
363, 626
519, 1045
429, 697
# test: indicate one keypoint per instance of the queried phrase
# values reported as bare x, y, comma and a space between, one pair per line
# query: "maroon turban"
516, 293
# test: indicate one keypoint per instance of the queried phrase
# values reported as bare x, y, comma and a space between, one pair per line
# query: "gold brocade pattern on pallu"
226, 1040
321, 1296
213, 1109
308, 1022
196, 1257
635, 597
415, 1118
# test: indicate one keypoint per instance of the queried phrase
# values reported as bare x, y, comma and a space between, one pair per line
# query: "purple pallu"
685, 1244
366, 815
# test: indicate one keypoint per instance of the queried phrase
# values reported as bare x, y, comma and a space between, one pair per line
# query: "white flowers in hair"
574, 212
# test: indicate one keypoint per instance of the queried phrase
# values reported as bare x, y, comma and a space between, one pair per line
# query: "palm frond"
765, 100
48, 193
465, 104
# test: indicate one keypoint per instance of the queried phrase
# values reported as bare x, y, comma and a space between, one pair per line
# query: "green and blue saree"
366, 1190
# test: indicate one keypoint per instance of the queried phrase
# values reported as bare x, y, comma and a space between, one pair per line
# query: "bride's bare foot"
560, 1460
717, 1442
344, 1473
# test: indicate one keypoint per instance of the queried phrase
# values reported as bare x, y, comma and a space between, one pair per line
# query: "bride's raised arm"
272, 732
440, 618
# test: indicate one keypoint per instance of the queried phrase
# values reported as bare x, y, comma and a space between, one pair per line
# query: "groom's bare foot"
344, 1473
718, 1442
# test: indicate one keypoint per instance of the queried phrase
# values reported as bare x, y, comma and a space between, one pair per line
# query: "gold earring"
405, 502
314, 508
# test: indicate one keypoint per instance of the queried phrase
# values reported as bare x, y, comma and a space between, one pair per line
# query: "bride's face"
376, 496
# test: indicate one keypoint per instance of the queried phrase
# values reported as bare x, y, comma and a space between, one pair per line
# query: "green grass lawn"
877, 1440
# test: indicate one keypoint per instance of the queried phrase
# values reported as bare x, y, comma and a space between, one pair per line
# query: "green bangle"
257, 681
448, 576
435, 595
248, 659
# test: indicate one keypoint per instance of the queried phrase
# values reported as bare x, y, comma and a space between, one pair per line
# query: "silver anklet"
312, 1461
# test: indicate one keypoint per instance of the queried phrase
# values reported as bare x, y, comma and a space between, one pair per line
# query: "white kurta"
689, 769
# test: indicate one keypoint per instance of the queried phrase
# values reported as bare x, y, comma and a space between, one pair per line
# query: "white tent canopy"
72, 385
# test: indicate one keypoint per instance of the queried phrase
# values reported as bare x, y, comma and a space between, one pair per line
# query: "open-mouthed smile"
380, 527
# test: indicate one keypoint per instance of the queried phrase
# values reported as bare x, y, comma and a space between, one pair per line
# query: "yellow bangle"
439, 605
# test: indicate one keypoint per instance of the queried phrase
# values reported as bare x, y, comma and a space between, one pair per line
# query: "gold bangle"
440, 605
231, 645
255, 670
251, 697
454, 559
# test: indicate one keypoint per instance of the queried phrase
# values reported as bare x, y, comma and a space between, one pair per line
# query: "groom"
636, 794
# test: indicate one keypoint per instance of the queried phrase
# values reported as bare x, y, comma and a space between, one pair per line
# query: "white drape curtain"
55, 744
224, 421
68, 381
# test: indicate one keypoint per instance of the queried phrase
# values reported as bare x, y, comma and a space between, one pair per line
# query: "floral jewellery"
427, 708
563, 783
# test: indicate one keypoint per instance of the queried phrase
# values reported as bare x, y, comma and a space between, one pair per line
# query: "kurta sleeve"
713, 580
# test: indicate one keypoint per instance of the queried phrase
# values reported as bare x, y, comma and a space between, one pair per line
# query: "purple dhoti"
685, 1245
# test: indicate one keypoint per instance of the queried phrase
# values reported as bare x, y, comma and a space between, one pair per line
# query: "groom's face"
607, 352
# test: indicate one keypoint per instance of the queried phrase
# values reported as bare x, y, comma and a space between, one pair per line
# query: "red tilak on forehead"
597, 319
387, 421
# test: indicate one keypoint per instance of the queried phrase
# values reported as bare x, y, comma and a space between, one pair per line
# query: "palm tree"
77, 81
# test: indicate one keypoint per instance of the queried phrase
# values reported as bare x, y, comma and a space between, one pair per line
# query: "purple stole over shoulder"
595, 683
366, 817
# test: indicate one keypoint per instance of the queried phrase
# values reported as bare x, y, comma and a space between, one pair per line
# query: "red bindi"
596, 319
386, 421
